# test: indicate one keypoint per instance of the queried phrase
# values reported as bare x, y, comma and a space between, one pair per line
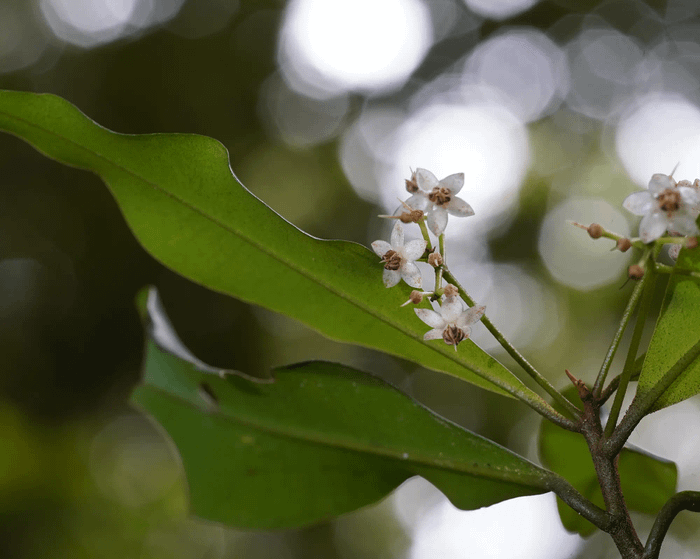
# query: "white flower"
665, 206
399, 258
437, 198
451, 322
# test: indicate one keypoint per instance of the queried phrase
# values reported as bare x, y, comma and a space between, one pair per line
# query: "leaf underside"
677, 330
187, 209
320, 441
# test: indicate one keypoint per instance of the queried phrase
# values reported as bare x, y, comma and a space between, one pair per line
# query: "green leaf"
647, 481
320, 441
187, 209
677, 330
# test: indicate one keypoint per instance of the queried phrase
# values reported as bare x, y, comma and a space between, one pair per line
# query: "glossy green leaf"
187, 209
677, 330
320, 441
647, 481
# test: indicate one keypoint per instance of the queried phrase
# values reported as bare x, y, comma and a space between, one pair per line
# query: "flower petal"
459, 207
434, 334
470, 316
426, 180
453, 182
451, 309
413, 250
437, 220
397, 236
419, 201
683, 222
411, 274
431, 318
639, 203
660, 182
381, 248
689, 196
653, 225
391, 277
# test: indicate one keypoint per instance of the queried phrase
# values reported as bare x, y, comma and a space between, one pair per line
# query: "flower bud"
595, 231
623, 244
450, 290
635, 272
412, 184
435, 259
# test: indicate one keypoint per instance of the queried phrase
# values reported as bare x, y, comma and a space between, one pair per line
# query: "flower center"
669, 200
453, 335
440, 196
392, 259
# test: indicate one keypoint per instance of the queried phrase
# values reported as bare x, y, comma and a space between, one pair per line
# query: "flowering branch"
516, 355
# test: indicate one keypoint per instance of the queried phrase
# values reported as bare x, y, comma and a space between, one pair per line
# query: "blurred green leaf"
677, 330
322, 440
647, 481
187, 209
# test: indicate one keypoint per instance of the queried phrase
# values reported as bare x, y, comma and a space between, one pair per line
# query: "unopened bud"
415, 297
595, 231
623, 244
635, 272
412, 216
450, 290
691, 242
435, 259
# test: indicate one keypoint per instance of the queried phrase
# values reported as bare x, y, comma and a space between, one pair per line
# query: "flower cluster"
666, 206
430, 203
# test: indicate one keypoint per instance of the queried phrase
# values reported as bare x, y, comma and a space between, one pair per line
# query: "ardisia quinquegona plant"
315, 440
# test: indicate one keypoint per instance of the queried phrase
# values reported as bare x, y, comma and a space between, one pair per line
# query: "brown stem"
620, 526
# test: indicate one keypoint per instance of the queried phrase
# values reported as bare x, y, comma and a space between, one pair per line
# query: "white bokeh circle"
568, 252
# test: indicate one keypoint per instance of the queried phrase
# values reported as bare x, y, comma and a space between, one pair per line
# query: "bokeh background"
555, 110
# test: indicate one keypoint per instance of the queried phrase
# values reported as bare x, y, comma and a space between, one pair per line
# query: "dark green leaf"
647, 481
187, 209
677, 330
320, 441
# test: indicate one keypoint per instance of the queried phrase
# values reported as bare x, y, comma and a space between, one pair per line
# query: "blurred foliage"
70, 338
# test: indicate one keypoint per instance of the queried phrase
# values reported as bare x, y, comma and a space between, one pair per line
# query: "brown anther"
685, 182
635, 272
450, 290
435, 259
392, 259
691, 242
412, 184
453, 335
440, 196
669, 200
623, 244
595, 231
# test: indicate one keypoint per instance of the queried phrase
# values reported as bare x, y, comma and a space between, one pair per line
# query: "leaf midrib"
539, 479
253, 243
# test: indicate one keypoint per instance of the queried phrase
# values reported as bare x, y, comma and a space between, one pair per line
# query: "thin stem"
515, 354
641, 405
629, 310
614, 383
590, 511
426, 236
685, 500
648, 289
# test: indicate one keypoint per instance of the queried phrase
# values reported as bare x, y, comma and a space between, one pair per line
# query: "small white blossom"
437, 198
451, 322
399, 258
666, 205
